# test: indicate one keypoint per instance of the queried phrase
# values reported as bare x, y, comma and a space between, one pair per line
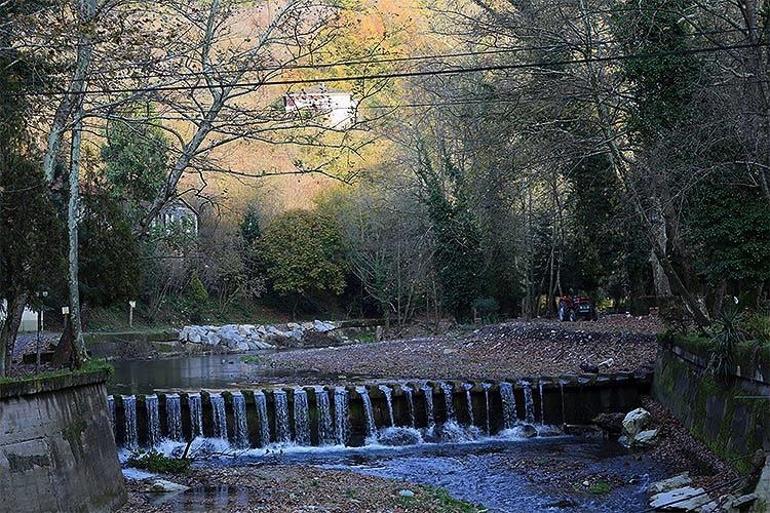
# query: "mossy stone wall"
731, 416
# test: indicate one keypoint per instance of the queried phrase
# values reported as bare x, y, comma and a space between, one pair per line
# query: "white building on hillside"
336, 108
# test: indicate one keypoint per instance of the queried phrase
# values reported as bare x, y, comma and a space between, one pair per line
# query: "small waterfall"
561, 392
529, 405
486, 387
446, 388
218, 415
196, 414
469, 404
241, 431
282, 431
326, 434
129, 411
111, 407
174, 417
153, 420
408, 394
542, 402
428, 391
341, 428
371, 427
509, 405
301, 417
264, 427
388, 392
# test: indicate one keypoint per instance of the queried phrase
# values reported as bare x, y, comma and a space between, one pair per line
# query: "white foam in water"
153, 419
341, 405
301, 417
326, 434
509, 405
264, 427
282, 431
388, 393
371, 428
196, 414
218, 415
174, 417
241, 428
131, 439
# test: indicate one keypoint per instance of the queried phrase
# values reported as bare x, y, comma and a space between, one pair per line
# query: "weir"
354, 415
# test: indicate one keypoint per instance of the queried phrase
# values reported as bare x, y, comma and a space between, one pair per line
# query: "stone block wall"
732, 416
57, 450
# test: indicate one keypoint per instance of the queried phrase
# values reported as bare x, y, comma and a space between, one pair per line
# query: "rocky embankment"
249, 337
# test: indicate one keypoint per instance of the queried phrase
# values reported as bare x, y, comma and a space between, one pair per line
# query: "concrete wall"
57, 451
731, 416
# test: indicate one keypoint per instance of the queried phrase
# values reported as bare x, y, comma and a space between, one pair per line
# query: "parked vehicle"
572, 308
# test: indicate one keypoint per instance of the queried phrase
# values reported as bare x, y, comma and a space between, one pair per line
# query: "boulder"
323, 326
163, 486
671, 483
645, 438
635, 421
610, 422
680, 499
242, 345
212, 338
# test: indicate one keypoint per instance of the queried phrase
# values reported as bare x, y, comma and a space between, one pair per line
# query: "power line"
406, 74
390, 60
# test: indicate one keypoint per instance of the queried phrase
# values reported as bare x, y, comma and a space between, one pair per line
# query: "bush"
757, 327
153, 461
486, 308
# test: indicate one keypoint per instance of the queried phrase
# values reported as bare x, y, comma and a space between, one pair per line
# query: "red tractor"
572, 308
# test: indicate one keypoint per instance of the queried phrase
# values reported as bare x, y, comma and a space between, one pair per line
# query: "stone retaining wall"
731, 416
57, 450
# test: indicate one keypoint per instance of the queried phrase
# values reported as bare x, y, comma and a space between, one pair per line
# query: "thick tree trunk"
9, 329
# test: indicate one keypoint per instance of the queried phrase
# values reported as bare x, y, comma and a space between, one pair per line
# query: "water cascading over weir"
358, 415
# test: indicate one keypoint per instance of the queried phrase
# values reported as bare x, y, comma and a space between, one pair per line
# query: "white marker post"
131, 306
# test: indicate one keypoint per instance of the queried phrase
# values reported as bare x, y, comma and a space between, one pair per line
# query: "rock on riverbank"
246, 337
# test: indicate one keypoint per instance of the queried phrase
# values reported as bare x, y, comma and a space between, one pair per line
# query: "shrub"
486, 308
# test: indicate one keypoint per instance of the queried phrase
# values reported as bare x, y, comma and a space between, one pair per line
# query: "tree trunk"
79, 348
9, 329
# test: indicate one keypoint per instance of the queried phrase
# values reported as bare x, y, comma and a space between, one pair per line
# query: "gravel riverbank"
494, 352
291, 489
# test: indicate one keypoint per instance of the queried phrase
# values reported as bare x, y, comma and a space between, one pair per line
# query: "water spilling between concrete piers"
390, 414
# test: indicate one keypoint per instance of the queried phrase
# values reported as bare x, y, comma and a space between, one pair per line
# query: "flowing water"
131, 437
219, 417
264, 428
509, 405
529, 405
326, 434
446, 388
111, 407
388, 393
469, 403
301, 417
241, 427
341, 424
486, 387
282, 431
153, 419
542, 403
371, 428
409, 396
428, 395
174, 416
196, 413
